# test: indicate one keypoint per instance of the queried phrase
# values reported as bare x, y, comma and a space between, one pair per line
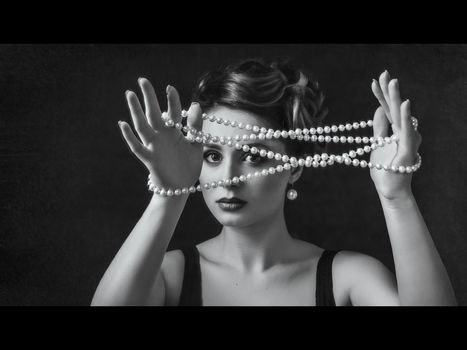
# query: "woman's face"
264, 195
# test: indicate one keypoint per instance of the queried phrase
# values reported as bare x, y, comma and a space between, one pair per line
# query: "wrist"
403, 200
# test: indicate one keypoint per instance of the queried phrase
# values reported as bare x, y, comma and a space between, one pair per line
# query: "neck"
257, 247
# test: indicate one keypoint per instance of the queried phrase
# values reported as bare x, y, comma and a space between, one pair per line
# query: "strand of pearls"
318, 160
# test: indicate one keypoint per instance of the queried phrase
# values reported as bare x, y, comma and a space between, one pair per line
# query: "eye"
212, 156
253, 158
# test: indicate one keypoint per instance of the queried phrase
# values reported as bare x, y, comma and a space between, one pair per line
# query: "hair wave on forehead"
283, 96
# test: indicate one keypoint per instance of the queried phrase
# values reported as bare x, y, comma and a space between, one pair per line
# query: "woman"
254, 260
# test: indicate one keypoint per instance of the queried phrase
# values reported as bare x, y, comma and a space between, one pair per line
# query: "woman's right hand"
172, 160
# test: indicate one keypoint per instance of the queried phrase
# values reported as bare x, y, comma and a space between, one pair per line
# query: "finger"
381, 99
135, 146
395, 103
153, 111
175, 109
383, 82
407, 128
410, 138
194, 119
139, 120
380, 123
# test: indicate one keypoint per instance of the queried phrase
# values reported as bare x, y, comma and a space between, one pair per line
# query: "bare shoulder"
173, 267
362, 279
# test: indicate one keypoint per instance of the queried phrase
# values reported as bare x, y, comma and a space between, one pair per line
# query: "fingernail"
140, 80
168, 88
194, 104
127, 92
373, 81
119, 122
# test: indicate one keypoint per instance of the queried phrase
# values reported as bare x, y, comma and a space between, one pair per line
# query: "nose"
229, 172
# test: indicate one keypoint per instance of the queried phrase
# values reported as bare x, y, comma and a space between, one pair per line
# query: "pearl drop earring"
292, 194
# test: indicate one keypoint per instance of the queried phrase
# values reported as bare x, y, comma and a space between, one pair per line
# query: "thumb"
194, 119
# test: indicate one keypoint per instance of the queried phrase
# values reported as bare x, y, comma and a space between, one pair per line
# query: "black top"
191, 287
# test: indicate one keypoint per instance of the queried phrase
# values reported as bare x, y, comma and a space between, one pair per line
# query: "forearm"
422, 278
132, 273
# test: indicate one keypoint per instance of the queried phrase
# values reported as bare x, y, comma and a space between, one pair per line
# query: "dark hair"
271, 92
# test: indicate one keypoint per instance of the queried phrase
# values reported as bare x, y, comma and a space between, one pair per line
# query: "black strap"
191, 287
324, 291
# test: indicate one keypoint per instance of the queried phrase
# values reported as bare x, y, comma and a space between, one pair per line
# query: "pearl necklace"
307, 135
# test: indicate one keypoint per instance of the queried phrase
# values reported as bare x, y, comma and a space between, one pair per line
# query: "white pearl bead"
270, 154
170, 193
249, 176
348, 126
245, 148
262, 153
256, 128
227, 182
279, 168
242, 178
339, 159
355, 162
185, 190
301, 162
269, 136
402, 169
352, 154
363, 163
313, 138
350, 139
335, 139
285, 158
264, 172
253, 137
214, 184
315, 164
238, 146
347, 161
367, 149
271, 170
356, 125
334, 128
343, 139
240, 125
248, 127
306, 131
319, 130
341, 127
245, 137
284, 134
358, 139
278, 156
320, 138
287, 166
327, 138
323, 163
253, 150
365, 139
362, 124
277, 134
360, 151
235, 180
207, 186
327, 129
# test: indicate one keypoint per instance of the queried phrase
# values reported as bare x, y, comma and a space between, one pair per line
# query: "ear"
295, 174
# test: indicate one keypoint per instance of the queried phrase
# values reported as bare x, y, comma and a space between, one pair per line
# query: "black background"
72, 191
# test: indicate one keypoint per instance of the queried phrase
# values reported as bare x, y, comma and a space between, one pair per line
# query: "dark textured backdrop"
72, 191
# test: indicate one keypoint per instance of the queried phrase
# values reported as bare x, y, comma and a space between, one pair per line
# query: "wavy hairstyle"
285, 97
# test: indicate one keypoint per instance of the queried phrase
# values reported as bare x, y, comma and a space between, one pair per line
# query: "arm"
421, 276
134, 277
136, 269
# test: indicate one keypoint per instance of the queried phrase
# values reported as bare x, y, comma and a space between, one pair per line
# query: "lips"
232, 200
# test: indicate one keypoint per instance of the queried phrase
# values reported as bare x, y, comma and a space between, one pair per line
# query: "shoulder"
363, 279
172, 268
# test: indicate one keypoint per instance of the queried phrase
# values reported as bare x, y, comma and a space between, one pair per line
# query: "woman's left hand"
393, 185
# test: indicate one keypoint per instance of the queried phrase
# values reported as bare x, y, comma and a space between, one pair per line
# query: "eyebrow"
256, 144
